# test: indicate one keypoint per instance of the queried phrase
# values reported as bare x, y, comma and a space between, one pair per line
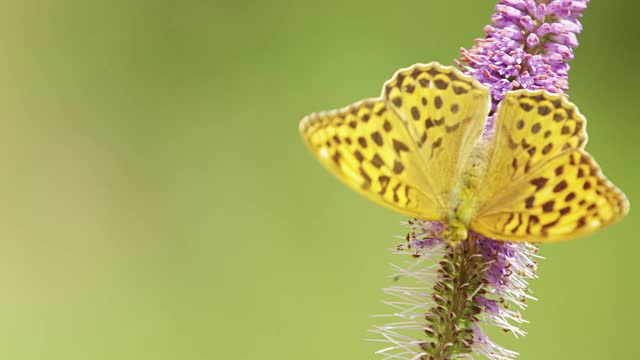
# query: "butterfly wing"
404, 149
444, 112
541, 185
367, 147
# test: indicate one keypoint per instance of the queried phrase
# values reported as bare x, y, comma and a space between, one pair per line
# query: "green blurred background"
158, 203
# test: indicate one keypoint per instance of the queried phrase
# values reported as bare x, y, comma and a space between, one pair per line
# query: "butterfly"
418, 149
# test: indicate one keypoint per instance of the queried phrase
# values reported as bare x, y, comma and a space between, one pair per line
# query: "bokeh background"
158, 203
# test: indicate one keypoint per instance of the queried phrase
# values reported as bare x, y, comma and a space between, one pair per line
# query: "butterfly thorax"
464, 199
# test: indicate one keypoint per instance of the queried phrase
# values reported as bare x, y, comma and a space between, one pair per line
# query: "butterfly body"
464, 199
419, 150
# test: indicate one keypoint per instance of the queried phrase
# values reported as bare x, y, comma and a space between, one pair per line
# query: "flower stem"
450, 322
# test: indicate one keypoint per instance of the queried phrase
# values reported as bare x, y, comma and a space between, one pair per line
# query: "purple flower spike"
509, 268
482, 281
534, 38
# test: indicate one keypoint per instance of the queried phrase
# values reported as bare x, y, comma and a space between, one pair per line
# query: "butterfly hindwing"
540, 184
565, 198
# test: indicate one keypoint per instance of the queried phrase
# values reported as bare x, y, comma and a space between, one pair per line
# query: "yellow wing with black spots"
541, 185
444, 112
367, 147
404, 150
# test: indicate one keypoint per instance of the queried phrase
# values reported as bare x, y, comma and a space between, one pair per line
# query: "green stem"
451, 320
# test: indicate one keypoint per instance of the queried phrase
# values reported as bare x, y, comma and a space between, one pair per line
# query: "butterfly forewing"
445, 112
406, 149
540, 184
367, 147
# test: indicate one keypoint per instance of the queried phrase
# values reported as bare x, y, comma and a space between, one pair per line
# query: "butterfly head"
455, 232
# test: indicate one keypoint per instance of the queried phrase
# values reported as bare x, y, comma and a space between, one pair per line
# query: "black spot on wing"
399, 146
544, 110
398, 168
560, 187
441, 84
377, 138
377, 161
539, 183
438, 102
415, 113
